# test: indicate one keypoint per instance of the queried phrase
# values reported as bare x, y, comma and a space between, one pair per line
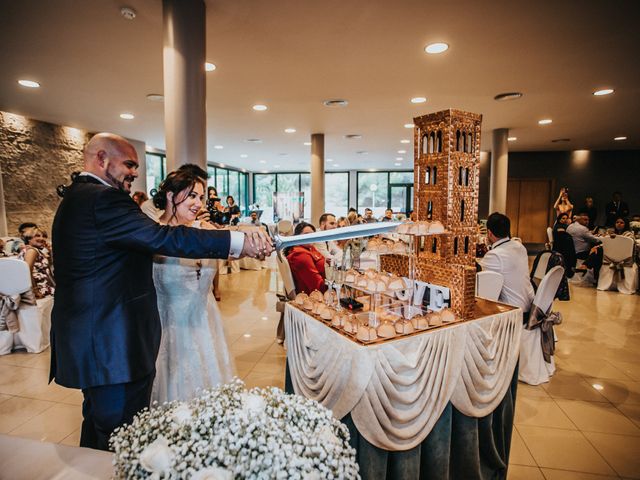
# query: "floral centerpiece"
230, 432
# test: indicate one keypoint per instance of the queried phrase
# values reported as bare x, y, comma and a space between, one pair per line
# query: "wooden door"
529, 207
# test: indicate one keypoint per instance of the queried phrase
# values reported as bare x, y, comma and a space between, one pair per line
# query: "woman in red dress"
306, 263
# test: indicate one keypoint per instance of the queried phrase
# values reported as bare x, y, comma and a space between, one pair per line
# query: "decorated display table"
436, 404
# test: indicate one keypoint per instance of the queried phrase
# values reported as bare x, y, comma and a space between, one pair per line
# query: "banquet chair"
619, 271
533, 369
289, 291
549, 238
34, 320
285, 228
489, 285
540, 268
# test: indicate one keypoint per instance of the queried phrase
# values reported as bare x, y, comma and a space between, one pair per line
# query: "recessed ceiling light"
222, 165
307, 144
560, 140
438, 47
155, 97
289, 130
127, 116
512, 139
336, 165
397, 164
329, 159
336, 103
253, 140
409, 125
604, 91
372, 170
508, 96
617, 139
259, 107
243, 155
128, 13
401, 152
283, 154
399, 158
353, 136
29, 83
418, 100
404, 140
362, 152
218, 147
263, 161
545, 121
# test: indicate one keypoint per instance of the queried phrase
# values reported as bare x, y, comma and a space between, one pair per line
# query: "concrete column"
140, 183
353, 189
3, 213
499, 168
317, 177
184, 82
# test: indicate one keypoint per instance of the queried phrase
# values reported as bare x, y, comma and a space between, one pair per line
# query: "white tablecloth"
396, 391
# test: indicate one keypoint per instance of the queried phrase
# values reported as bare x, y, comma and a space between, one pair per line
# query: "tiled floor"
584, 424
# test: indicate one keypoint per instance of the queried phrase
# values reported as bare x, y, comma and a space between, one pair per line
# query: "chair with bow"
31, 331
537, 343
289, 291
489, 285
618, 271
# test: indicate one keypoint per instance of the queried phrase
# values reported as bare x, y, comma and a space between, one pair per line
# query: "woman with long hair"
306, 263
37, 256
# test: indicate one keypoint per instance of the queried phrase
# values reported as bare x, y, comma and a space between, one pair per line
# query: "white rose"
252, 403
182, 414
327, 436
212, 473
312, 476
157, 456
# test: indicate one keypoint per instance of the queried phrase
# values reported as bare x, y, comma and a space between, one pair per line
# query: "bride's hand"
257, 244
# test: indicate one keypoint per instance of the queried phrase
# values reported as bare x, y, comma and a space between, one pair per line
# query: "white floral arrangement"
231, 433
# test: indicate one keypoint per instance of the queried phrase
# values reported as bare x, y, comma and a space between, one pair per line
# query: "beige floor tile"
277, 349
598, 417
46, 391
632, 369
519, 454
563, 450
273, 364
243, 368
541, 412
75, 397
591, 367
52, 425
531, 391
572, 387
632, 412
17, 410
250, 356
551, 474
622, 452
256, 379
4, 397
619, 392
73, 439
520, 472
254, 344
14, 379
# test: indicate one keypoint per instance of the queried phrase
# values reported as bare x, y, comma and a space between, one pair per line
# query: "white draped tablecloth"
396, 391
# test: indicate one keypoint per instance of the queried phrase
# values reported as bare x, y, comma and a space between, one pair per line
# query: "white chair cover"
550, 236
533, 369
618, 263
489, 285
286, 275
541, 268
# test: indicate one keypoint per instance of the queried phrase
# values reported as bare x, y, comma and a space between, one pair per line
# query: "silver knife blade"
342, 233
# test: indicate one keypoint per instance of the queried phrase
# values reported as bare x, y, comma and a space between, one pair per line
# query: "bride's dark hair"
185, 177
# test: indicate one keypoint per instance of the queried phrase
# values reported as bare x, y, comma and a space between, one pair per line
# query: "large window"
264, 184
381, 190
336, 193
230, 182
156, 170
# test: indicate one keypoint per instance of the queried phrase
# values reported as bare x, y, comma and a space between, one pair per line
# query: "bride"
193, 352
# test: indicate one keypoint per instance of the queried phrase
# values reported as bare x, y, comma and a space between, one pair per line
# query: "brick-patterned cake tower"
446, 174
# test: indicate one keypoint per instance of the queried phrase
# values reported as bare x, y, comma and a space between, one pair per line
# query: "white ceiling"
293, 54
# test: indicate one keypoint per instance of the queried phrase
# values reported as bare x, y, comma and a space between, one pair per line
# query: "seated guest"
37, 257
509, 258
595, 258
254, 219
591, 211
388, 215
139, 198
329, 250
343, 222
583, 239
616, 208
368, 216
562, 222
306, 263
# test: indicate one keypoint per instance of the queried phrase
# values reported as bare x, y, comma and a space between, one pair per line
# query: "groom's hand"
257, 243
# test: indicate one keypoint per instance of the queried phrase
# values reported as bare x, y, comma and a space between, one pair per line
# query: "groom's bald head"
113, 159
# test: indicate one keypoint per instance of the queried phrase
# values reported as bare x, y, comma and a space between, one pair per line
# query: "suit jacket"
612, 211
105, 327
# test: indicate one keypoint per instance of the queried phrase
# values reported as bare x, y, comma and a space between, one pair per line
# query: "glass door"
401, 197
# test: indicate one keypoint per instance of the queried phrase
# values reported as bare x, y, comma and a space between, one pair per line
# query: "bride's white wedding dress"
193, 352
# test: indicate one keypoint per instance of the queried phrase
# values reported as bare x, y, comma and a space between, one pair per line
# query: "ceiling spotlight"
127, 116
372, 170
401, 152
336, 165
409, 125
29, 83
545, 121
259, 107
243, 155
353, 136
289, 130
155, 97
508, 96
404, 140
336, 103
128, 13
307, 144
399, 158
253, 140
436, 47
218, 147
397, 164
362, 152
209, 67
418, 100
263, 161
604, 91
618, 139
283, 154
512, 139
560, 140
329, 159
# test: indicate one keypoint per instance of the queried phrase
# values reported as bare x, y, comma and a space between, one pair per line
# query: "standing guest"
218, 213
388, 215
508, 258
329, 250
105, 327
563, 205
583, 239
352, 218
139, 198
233, 211
368, 216
343, 222
616, 208
591, 211
594, 260
38, 258
306, 263
254, 219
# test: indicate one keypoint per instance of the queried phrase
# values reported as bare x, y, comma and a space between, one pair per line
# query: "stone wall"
36, 157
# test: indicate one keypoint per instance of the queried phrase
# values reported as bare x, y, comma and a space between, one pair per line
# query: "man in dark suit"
105, 329
615, 209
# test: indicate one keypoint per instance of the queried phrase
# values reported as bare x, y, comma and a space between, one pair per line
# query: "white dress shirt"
329, 250
509, 258
582, 237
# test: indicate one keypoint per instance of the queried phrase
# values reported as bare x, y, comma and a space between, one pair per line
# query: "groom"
105, 328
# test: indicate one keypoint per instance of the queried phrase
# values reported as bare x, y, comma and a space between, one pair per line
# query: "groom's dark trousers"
105, 327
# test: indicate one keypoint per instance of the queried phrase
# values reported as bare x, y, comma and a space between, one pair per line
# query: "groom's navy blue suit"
105, 328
